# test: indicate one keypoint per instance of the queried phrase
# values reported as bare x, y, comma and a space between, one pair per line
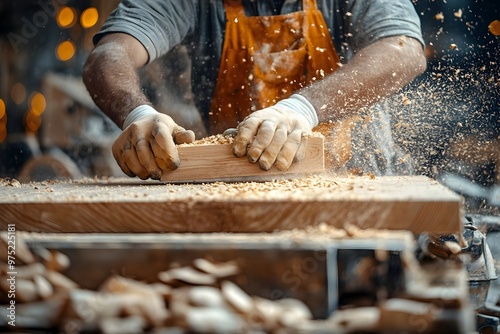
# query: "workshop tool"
478, 261
483, 279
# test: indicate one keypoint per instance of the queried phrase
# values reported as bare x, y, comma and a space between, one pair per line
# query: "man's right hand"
146, 147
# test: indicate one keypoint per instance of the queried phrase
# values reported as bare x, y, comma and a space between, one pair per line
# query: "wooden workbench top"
417, 204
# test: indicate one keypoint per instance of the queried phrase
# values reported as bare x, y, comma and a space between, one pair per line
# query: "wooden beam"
216, 162
417, 204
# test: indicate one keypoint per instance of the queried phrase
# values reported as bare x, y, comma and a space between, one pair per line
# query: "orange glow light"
32, 122
89, 17
18, 93
38, 103
66, 50
66, 17
2, 109
3, 131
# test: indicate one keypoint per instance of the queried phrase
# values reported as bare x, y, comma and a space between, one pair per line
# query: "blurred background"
50, 128
448, 118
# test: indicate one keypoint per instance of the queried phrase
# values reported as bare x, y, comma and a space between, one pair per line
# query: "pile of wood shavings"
310, 187
211, 140
199, 298
308, 182
7, 182
220, 139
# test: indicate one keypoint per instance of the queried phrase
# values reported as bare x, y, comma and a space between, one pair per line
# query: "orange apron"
266, 58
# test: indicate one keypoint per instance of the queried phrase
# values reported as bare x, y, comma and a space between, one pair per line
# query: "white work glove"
274, 135
146, 147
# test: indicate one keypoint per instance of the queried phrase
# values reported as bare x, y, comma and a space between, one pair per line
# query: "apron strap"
234, 9
309, 5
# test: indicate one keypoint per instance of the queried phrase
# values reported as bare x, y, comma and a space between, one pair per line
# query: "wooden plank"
216, 162
416, 204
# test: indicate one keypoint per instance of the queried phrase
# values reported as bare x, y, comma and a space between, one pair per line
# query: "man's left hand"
274, 135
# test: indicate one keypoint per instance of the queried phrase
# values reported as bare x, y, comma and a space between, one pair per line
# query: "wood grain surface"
417, 204
217, 162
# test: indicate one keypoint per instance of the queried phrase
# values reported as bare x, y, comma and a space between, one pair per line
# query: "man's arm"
375, 72
273, 135
146, 147
111, 78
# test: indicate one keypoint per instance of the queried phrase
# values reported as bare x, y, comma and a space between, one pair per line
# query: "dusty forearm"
111, 79
375, 72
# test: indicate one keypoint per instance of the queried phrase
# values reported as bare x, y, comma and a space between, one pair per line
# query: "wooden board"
416, 204
216, 162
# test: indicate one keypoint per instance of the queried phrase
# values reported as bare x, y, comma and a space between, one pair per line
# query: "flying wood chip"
494, 27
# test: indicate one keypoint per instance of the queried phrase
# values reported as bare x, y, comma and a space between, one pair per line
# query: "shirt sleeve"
158, 25
371, 20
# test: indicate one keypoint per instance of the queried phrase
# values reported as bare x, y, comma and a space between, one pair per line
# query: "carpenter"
274, 70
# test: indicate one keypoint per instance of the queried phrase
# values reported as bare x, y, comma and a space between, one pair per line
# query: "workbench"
330, 242
413, 203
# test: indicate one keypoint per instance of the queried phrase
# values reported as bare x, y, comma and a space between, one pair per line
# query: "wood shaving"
123, 304
494, 27
220, 139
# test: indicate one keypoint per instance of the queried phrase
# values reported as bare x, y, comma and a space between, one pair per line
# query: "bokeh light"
32, 122
89, 17
66, 17
2, 109
3, 121
37, 103
3, 131
18, 93
66, 50
494, 27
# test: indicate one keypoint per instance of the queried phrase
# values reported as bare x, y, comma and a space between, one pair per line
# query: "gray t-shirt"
200, 25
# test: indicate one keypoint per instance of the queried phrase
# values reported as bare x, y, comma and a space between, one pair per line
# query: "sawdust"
220, 139
8, 182
457, 97
308, 188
